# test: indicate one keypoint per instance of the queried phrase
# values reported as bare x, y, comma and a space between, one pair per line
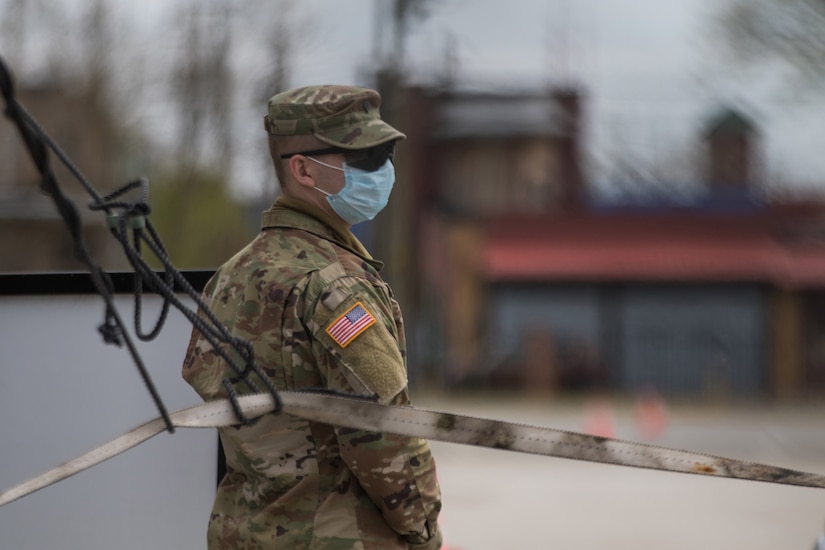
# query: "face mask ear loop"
325, 164
328, 194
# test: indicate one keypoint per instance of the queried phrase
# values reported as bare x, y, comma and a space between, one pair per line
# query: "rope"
129, 223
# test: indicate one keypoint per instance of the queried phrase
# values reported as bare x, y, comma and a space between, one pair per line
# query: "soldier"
308, 297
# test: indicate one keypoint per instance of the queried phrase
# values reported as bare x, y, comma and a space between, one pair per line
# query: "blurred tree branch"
203, 84
393, 22
792, 31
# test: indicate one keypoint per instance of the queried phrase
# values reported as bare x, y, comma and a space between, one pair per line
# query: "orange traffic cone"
599, 419
651, 415
444, 545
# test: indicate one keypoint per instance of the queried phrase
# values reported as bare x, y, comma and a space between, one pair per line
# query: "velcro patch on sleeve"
352, 323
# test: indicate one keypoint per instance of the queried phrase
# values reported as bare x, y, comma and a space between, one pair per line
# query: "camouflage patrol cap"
342, 116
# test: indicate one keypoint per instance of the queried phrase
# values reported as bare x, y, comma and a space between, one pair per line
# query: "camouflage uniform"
309, 299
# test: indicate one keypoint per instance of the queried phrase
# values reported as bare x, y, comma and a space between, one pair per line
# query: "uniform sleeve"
355, 329
359, 353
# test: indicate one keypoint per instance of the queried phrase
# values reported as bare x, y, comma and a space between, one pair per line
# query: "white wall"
62, 393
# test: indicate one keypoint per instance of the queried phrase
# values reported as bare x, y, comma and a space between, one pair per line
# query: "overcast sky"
650, 70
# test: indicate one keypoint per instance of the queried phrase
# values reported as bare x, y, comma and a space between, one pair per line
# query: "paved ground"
501, 500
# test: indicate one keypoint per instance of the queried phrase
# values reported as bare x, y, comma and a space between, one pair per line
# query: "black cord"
123, 216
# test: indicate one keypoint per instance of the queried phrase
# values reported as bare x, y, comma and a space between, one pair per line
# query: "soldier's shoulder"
301, 244
356, 266
273, 257
288, 253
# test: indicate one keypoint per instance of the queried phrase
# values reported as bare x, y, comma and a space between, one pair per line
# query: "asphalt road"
502, 500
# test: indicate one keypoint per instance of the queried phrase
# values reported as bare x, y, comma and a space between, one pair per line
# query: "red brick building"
524, 280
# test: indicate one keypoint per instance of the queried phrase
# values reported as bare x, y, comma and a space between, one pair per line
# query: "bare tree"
648, 167
13, 24
448, 73
792, 31
24, 23
282, 43
98, 45
399, 16
202, 84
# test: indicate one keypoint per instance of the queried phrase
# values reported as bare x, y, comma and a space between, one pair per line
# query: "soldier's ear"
302, 170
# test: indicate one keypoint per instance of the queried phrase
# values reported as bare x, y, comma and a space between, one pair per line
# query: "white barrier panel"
63, 392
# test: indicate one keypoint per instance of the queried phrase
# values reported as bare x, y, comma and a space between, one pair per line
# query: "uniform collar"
297, 214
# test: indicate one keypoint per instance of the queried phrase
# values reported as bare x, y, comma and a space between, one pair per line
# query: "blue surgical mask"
364, 194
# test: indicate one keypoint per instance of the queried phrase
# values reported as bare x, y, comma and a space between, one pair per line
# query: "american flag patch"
349, 325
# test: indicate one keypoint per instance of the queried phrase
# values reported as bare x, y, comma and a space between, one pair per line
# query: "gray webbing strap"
441, 426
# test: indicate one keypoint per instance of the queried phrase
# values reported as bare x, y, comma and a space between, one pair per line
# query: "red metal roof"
651, 248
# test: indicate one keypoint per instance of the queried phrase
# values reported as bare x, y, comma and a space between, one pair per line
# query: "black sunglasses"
368, 160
